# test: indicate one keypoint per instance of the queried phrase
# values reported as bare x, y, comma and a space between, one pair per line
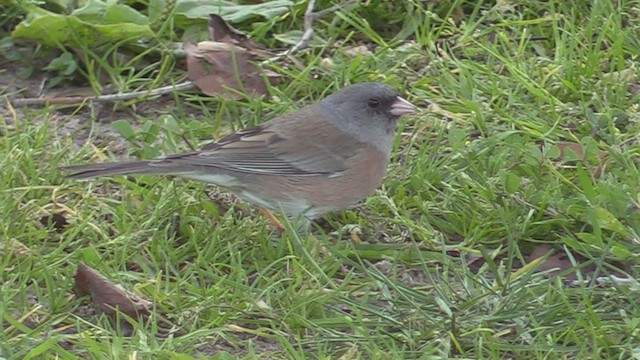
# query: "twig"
103, 98
549, 211
329, 10
309, 18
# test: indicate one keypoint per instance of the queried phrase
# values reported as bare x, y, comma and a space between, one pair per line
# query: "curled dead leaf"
227, 62
57, 220
108, 297
557, 262
221, 31
571, 151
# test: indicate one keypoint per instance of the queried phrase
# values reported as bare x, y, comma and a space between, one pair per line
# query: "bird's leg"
273, 220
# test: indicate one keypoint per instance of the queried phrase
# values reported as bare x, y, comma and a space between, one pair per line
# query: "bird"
319, 159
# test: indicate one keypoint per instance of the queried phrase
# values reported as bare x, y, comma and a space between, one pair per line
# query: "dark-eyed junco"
321, 158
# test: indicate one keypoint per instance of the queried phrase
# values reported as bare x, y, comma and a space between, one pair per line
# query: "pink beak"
402, 107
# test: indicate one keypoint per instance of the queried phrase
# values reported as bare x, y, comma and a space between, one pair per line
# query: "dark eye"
373, 103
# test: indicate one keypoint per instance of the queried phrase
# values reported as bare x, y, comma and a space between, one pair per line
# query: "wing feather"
300, 143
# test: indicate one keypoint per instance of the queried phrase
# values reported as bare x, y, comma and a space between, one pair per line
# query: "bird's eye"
373, 103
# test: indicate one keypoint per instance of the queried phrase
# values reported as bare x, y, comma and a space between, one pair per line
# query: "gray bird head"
369, 111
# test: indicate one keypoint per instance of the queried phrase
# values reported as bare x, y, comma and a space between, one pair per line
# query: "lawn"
508, 225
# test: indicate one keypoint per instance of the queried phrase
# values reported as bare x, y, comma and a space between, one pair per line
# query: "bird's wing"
299, 143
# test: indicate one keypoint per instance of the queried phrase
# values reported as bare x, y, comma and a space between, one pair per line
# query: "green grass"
480, 178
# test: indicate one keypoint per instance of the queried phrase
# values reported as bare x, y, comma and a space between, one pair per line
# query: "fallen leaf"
457, 15
221, 31
108, 297
474, 261
57, 220
571, 151
226, 62
293, 37
559, 261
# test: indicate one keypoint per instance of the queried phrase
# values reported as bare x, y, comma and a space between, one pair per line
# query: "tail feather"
86, 171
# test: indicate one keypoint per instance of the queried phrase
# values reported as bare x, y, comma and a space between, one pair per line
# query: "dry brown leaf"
221, 31
108, 297
58, 220
457, 15
570, 146
561, 261
557, 260
578, 150
226, 62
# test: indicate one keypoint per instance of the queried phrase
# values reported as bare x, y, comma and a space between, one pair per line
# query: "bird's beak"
402, 107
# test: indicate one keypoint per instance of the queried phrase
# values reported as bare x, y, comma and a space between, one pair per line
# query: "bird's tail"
117, 168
